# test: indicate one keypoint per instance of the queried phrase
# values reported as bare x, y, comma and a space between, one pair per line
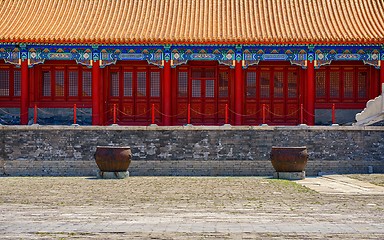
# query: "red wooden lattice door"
276, 88
10, 86
205, 89
133, 90
62, 84
346, 86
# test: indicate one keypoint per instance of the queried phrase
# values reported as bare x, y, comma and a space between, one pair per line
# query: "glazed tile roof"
193, 21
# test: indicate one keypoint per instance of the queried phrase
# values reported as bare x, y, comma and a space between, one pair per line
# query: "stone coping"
190, 128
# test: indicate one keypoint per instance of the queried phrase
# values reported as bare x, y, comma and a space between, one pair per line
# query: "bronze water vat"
113, 158
289, 159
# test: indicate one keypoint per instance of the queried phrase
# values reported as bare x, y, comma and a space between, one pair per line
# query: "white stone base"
112, 175
289, 175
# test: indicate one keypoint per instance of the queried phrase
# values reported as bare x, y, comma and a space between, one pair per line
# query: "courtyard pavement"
334, 206
339, 184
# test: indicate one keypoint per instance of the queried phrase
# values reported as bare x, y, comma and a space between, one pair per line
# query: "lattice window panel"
264, 84
196, 88
334, 84
209, 72
251, 84
17, 83
127, 84
59, 83
362, 85
182, 84
223, 84
278, 86
73, 84
210, 88
348, 84
155, 84
141, 84
46, 84
197, 72
87, 84
203, 72
114, 84
4, 82
320, 84
292, 84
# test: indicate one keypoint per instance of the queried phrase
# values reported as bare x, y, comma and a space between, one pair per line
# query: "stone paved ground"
184, 208
346, 185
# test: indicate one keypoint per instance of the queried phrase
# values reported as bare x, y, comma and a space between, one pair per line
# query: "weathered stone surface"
289, 175
68, 150
373, 112
112, 175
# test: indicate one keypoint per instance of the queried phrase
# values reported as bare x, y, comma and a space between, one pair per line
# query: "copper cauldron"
289, 159
113, 158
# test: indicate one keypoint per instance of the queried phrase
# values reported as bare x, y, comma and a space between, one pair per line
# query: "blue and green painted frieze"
178, 54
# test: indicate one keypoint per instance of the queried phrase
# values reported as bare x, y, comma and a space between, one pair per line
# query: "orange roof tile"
193, 21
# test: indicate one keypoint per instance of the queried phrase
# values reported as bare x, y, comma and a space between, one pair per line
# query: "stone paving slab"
339, 184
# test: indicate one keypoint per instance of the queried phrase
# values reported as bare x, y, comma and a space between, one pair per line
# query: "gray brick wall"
191, 151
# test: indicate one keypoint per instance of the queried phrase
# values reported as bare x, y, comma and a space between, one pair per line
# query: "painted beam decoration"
181, 54
297, 55
368, 54
10, 54
152, 54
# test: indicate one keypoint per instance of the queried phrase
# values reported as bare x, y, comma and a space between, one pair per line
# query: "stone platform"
188, 150
289, 175
112, 175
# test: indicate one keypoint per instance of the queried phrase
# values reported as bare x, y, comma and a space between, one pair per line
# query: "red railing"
153, 110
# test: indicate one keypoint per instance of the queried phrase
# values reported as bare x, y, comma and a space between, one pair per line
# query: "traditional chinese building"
204, 62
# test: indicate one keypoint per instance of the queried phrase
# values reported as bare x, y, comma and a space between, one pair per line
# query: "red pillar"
167, 95
381, 74
24, 93
95, 93
102, 96
238, 92
310, 93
